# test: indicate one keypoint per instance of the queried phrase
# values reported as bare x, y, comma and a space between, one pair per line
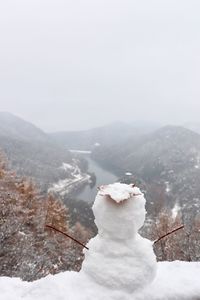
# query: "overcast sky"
75, 64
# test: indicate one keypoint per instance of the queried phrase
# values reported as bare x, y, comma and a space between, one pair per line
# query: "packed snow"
174, 281
119, 265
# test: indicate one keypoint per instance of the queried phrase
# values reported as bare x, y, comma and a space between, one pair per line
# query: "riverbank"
68, 186
103, 176
83, 185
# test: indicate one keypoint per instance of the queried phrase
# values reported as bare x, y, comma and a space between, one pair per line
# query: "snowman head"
119, 210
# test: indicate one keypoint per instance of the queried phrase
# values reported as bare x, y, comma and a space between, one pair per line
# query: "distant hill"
169, 147
166, 161
106, 135
194, 126
17, 128
31, 152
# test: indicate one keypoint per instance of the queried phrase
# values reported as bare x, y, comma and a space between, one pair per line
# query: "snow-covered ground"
174, 281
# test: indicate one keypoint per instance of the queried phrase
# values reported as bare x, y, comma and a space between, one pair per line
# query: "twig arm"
67, 235
163, 236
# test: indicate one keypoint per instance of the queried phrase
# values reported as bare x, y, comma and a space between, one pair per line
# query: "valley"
102, 177
34, 154
164, 162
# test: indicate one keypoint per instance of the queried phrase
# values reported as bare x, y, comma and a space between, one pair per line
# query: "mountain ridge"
31, 152
104, 135
166, 162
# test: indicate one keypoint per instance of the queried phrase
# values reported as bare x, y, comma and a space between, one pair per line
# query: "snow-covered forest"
118, 264
29, 249
113, 249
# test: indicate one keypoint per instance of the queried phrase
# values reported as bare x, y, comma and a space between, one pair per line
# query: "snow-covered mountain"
17, 128
167, 162
194, 126
31, 152
106, 135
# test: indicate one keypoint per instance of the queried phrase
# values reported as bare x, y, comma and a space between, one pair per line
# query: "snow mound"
174, 281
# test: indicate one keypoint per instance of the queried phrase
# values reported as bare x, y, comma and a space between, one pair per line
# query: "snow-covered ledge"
120, 264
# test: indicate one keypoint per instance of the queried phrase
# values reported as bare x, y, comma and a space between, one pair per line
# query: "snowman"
118, 257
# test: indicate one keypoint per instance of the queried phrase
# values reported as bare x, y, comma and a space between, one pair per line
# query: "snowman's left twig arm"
67, 235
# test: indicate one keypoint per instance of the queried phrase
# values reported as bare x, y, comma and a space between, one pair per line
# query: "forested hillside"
29, 249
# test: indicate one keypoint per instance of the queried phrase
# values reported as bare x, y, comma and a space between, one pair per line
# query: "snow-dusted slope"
33, 153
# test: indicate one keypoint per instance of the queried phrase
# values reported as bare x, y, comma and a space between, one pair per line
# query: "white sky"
75, 64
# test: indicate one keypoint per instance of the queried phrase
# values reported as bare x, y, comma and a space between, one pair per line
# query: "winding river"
103, 176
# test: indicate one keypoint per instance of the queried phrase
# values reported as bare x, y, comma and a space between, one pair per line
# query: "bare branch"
73, 239
163, 236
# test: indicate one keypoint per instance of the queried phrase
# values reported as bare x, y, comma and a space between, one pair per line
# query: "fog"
72, 64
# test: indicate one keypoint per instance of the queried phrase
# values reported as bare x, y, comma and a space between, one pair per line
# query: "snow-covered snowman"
118, 257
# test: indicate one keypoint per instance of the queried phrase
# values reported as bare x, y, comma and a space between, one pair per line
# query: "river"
103, 176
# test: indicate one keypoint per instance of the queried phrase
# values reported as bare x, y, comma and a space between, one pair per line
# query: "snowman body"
118, 257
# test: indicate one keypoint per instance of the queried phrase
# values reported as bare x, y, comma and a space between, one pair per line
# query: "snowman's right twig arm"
163, 236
